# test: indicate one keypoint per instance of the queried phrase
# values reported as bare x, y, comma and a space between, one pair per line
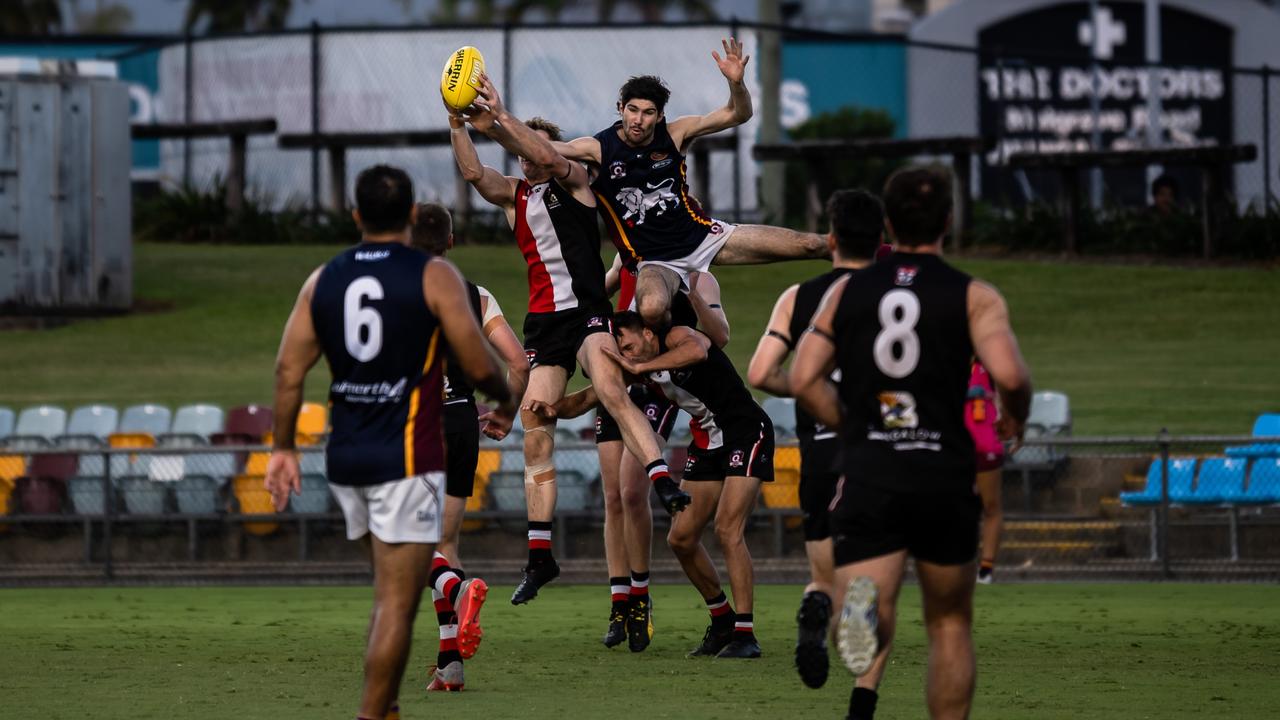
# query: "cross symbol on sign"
1103, 34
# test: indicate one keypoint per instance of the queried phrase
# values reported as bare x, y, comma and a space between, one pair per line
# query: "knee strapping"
540, 474
549, 429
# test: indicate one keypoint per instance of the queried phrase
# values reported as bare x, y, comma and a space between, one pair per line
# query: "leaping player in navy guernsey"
382, 314
645, 198
903, 333
552, 213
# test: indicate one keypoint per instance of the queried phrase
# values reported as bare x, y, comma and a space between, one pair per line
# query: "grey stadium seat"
146, 418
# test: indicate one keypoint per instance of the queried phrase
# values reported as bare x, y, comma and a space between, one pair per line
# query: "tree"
224, 16
654, 11
30, 17
103, 19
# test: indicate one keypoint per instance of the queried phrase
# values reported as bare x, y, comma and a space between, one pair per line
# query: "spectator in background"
1164, 195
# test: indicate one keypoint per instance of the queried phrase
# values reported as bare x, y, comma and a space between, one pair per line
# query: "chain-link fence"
1073, 508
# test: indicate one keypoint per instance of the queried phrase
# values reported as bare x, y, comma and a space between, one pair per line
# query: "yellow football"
461, 81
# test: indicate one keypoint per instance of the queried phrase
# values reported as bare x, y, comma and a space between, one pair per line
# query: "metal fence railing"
1140, 507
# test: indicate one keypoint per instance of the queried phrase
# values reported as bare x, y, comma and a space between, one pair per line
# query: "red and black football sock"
721, 611
620, 591
539, 542
445, 580
639, 586
656, 469
448, 620
744, 625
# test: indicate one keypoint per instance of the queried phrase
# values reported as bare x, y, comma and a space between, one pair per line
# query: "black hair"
432, 230
645, 87
627, 320
917, 201
857, 221
384, 197
1164, 181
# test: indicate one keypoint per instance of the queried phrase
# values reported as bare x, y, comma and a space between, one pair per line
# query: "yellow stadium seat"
254, 499
487, 463
257, 464
131, 440
313, 419
300, 439
786, 458
12, 467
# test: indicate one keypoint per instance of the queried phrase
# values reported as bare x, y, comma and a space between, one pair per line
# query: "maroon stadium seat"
254, 420
41, 495
59, 466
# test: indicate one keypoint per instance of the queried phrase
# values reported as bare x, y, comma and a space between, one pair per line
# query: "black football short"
819, 472
747, 451
461, 448
660, 411
868, 521
553, 338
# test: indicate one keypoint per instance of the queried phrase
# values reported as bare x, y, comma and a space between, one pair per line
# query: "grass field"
1136, 348
1045, 651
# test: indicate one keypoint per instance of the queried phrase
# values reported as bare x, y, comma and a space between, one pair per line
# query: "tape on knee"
549, 429
540, 474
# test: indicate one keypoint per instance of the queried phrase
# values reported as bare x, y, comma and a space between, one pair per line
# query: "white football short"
700, 259
397, 511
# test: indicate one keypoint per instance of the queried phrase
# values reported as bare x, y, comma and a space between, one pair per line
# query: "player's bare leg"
685, 536
885, 572
737, 500
992, 521
655, 286
947, 596
757, 244
638, 539
822, 570
452, 529
546, 384
400, 572
637, 434
615, 547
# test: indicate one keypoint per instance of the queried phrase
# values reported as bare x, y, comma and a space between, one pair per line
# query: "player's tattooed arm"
811, 384
704, 295
766, 371
299, 351
736, 112
997, 348
492, 185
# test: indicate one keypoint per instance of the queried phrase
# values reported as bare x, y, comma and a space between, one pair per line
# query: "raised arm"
583, 149
997, 350
492, 185
299, 350
704, 295
737, 111
766, 371
810, 374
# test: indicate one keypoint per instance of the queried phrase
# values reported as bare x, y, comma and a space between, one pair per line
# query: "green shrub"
189, 215
850, 123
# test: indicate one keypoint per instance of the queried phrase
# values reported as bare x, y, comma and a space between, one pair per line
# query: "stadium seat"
146, 418
573, 490
131, 440
6, 422
313, 419
1266, 425
313, 463
507, 490
45, 421
40, 495
1181, 472
1264, 483
512, 460
221, 466
12, 467
192, 426
577, 426
784, 491
142, 496
1050, 416
584, 461
680, 432
486, 465
58, 466
167, 468
314, 498
786, 457
197, 495
86, 495
254, 499
89, 425
1221, 480
782, 411
251, 420
257, 464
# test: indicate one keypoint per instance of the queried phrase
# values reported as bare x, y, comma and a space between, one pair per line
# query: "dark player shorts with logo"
553, 338
660, 412
939, 527
819, 473
461, 447
747, 451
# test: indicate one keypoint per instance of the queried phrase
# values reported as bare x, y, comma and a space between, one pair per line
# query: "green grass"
1136, 348
1044, 651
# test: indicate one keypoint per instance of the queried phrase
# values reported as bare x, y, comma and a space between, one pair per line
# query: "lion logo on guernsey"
638, 203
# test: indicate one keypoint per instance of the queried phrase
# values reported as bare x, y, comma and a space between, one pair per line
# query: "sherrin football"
461, 81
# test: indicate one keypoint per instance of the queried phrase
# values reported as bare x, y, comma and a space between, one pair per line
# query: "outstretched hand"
541, 408
496, 423
734, 64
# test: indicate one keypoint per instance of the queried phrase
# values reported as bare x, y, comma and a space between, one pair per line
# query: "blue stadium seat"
1264, 483
91, 422
86, 495
512, 461
7, 419
1181, 473
573, 490
193, 425
314, 498
1221, 480
1267, 425
584, 461
782, 411
578, 426
221, 466
146, 418
313, 463
37, 428
142, 496
197, 495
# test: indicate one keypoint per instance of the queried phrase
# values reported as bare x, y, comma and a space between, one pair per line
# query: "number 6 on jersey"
899, 313
357, 317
